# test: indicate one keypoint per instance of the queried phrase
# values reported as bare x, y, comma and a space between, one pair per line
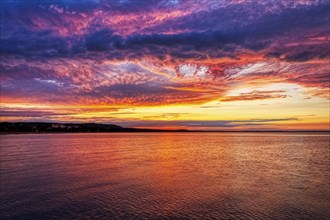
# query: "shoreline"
163, 131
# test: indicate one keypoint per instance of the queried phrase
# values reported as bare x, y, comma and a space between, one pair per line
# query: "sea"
169, 175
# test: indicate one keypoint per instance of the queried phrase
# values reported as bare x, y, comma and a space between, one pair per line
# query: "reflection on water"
165, 176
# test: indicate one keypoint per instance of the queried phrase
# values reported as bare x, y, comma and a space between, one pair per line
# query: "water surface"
165, 176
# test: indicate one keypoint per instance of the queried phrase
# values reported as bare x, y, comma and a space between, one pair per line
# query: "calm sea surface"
165, 176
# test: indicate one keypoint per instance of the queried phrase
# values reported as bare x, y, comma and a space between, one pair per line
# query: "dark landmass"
45, 127
48, 127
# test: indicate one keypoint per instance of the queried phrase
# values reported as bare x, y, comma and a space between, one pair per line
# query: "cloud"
28, 113
205, 124
253, 30
255, 95
160, 52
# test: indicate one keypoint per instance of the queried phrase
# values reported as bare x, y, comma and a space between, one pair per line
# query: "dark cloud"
103, 40
301, 52
206, 124
37, 44
307, 55
29, 113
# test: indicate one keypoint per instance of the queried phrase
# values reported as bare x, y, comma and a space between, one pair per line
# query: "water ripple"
165, 176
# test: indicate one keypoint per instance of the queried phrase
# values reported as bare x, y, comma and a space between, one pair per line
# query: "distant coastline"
49, 127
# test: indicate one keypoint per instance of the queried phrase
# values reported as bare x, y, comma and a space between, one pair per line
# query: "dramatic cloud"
162, 53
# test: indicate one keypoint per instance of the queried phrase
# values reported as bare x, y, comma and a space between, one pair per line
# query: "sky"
169, 64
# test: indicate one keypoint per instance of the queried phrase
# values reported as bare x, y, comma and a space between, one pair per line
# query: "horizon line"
137, 129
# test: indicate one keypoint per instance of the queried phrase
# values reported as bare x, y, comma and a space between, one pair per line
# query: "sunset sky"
174, 64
